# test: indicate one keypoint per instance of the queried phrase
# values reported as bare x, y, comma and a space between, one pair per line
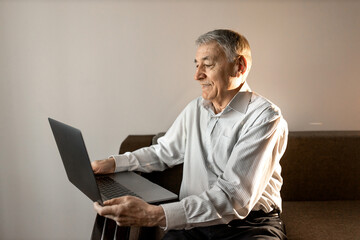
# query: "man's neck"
219, 106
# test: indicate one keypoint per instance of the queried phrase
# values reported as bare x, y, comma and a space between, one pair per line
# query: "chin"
205, 96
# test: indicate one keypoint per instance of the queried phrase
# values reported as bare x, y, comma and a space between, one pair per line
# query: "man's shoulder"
263, 105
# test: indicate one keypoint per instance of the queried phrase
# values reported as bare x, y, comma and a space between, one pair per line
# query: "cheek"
219, 80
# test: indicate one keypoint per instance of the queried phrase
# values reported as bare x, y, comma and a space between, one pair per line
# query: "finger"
112, 210
97, 207
101, 210
111, 202
114, 218
120, 221
118, 200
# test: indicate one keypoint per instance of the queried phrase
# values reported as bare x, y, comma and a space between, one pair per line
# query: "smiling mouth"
205, 84
205, 87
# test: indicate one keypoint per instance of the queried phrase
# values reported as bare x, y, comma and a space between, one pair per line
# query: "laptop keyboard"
112, 189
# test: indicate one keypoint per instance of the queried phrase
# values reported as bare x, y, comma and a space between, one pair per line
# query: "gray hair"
233, 43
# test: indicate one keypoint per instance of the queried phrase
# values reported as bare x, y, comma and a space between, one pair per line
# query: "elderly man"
230, 141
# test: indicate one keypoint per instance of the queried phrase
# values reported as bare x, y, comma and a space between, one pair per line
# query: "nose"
199, 73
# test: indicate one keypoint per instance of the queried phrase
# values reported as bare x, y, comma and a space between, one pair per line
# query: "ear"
240, 66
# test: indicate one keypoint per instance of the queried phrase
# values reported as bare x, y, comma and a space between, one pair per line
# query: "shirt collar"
239, 102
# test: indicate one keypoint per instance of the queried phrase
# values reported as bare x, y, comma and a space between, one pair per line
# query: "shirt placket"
209, 160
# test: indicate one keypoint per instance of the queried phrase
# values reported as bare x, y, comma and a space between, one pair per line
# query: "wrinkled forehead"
209, 51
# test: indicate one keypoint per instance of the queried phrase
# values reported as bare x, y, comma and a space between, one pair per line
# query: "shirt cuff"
122, 163
175, 215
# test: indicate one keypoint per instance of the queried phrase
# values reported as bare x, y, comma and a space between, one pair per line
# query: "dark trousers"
257, 225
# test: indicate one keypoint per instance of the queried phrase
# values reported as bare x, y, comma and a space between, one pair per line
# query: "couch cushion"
321, 166
322, 220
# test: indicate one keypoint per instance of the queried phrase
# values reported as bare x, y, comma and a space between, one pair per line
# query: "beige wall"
113, 68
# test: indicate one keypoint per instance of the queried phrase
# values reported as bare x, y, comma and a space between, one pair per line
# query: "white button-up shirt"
231, 160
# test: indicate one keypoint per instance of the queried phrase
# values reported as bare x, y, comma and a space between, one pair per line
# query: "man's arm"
129, 211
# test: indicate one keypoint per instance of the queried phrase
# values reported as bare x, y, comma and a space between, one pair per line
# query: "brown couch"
321, 191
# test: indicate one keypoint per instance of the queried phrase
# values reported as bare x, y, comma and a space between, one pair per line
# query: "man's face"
214, 73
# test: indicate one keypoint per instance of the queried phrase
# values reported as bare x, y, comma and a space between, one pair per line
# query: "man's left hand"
132, 211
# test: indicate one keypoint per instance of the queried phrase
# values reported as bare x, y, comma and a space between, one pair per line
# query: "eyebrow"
204, 58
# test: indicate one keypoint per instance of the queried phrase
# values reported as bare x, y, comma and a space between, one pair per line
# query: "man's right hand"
105, 166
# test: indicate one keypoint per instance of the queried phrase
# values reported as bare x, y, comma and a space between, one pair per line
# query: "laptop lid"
75, 158
77, 165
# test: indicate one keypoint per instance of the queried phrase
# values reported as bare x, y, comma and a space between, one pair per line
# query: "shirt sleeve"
248, 171
167, 153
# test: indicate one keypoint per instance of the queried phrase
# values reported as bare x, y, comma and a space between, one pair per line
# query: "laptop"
100, 188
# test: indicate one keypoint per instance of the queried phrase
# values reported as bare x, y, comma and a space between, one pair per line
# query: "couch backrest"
322, 166
316, 165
